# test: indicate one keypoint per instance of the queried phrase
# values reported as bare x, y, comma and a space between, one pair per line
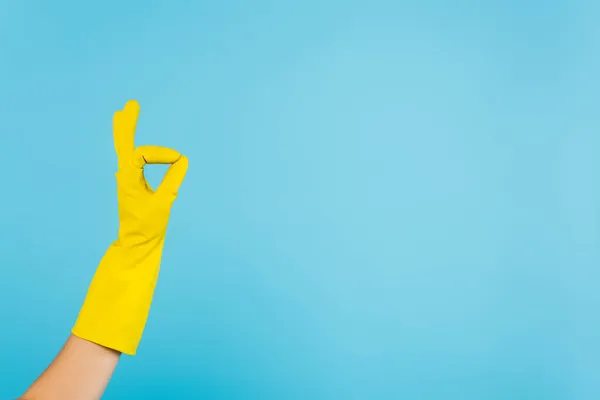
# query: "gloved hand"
118, 301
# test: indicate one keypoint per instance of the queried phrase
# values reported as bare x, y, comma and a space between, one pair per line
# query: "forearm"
116, 306
117, 303
80, 371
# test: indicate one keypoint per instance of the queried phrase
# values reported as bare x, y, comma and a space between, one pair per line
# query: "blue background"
386, 200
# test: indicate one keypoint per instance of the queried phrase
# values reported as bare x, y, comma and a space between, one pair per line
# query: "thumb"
174, 177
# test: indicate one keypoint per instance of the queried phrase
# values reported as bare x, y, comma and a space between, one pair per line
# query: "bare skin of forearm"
80, 371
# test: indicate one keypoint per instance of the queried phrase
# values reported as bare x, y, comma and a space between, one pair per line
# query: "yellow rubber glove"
118, 301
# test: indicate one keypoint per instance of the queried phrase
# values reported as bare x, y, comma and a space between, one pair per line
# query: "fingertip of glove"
183, 160
132, 105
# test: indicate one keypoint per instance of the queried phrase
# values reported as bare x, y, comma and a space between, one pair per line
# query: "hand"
116, 307
143, 212
114, 314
